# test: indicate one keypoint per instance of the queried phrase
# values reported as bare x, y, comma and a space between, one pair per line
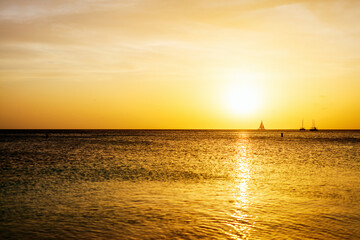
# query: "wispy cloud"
29, 10
105, 32
56, 46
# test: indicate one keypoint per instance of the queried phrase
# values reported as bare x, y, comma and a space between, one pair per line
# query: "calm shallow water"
179, 185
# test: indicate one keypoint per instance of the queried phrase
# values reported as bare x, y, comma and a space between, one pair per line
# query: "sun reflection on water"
241, 220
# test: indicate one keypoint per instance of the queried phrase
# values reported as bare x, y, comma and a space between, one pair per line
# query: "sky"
171, 64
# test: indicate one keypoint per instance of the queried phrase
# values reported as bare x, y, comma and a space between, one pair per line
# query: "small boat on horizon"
302, 126
261, 126
313, 128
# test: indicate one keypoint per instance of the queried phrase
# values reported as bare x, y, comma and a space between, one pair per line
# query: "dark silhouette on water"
282, 134
313, 129
261, 126
302, 126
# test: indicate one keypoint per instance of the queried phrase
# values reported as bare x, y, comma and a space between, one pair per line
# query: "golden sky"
179, 64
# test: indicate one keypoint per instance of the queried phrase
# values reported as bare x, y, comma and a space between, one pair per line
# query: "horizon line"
178, 129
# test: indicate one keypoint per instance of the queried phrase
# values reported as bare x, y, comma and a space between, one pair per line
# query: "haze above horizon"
156, 64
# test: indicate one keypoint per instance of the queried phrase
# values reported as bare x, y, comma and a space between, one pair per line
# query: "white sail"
261, 126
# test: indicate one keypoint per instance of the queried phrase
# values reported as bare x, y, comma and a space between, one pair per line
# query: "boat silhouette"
313, 128
302, 126
261, 126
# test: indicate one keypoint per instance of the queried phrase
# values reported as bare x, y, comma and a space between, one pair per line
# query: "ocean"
179, 184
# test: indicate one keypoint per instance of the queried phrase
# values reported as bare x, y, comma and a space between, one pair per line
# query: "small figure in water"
282, 134
47, 135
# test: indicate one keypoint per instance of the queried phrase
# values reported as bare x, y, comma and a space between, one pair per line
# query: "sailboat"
261, 126
313, 129
302, 126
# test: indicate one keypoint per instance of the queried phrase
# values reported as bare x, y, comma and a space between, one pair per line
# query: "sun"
242, 94
242, 99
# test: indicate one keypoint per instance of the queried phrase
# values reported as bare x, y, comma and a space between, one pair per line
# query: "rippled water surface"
179, 185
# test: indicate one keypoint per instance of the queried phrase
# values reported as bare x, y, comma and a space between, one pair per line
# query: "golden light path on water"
241, 221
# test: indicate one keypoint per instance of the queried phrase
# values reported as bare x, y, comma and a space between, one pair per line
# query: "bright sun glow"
242, 96
242, 99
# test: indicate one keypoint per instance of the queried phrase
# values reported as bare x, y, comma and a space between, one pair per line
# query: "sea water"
184, 184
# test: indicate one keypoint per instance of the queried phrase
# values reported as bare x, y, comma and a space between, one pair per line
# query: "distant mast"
302, 126
261, 126
313, 129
